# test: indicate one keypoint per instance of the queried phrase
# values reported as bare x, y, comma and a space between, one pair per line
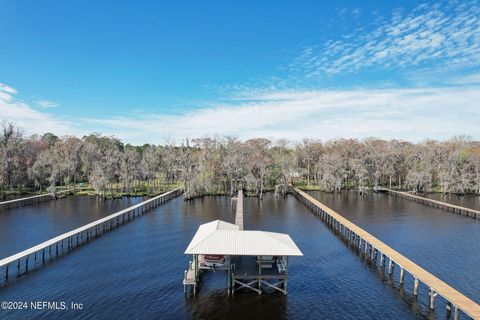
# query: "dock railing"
373, 247
22, 261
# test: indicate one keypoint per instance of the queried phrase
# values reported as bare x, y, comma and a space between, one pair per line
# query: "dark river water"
136, 271
24, 227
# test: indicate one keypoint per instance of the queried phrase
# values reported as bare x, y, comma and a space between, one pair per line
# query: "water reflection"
215, 304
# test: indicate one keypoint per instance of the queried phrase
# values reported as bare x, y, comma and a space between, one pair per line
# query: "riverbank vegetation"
222, 165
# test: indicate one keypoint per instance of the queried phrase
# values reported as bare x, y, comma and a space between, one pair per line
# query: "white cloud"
468, 79
428, 37
412, 114
47, 103
7, 89
28, 119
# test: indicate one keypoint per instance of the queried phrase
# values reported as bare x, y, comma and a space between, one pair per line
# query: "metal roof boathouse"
252, 259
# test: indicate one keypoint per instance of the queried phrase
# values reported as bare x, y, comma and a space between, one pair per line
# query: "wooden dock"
239, 211
32, 200
475, 214
36, 256
190, 278
376, 250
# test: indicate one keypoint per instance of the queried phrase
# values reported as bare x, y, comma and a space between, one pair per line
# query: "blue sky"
148, 71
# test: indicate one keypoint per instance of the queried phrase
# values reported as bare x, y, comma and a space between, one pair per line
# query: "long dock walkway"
239, 211
475, 214
36, 256
32, 200
373, 247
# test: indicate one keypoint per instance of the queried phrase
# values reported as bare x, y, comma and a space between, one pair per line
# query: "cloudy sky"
150, 72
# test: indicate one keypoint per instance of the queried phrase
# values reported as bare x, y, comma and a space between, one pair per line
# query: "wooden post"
185, 285
432, 298
415, 287
401, 275
391, 265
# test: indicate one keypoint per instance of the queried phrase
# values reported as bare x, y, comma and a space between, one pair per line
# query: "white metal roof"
206, 229
223, 238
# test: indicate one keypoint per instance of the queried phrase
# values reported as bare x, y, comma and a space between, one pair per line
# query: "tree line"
224, 164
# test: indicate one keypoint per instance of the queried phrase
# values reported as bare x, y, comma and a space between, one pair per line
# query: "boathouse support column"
229, 274
285, 283
259, 273
195, 259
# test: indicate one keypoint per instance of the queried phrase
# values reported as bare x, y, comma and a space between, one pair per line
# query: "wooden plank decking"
475, 214
239, 211
189, 276
353, 232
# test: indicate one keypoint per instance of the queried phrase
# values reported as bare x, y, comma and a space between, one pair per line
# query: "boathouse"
252, 259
